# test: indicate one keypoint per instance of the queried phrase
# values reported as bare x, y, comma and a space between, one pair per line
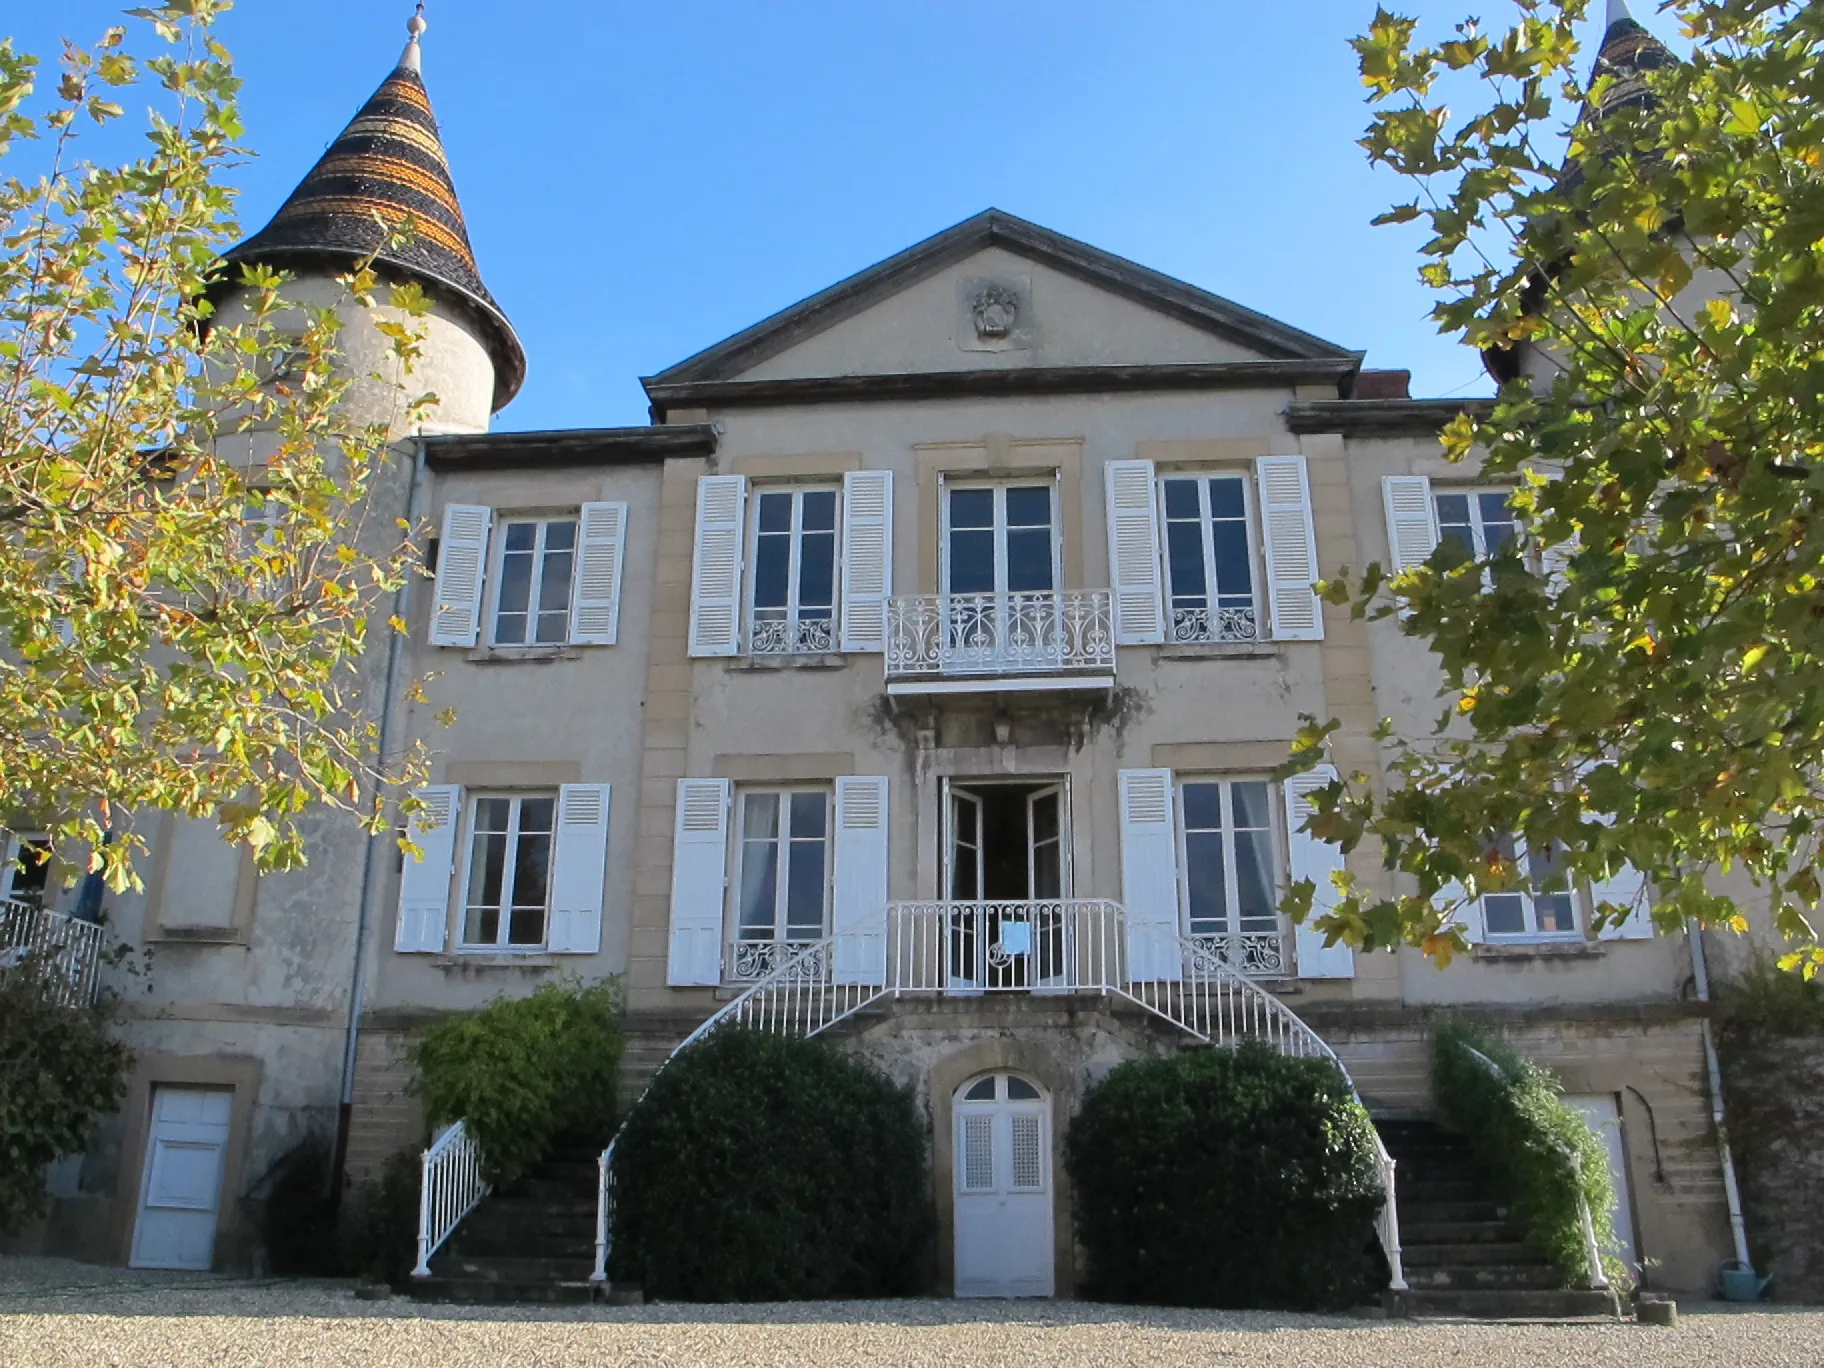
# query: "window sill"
198, 935
495, 959
1217, 650
826, 660
1553, 947
500, 655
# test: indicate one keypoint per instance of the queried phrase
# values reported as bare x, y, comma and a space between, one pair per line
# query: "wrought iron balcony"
938, 642
64, 951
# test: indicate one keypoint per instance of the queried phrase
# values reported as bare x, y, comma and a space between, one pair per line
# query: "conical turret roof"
387, 173
1627, 54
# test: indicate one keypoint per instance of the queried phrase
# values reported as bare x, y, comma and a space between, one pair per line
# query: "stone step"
1432, 1188
1512, 1304
512, 1206
1501, 1253
1485, 1278
1419, 1230
1421, 1208
515, 1268
495, 1291
545, 1244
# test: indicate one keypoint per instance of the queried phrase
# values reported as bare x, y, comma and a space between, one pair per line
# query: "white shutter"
1149, 876
699, 857
578, 866
1468, 915
1623, 888
1412, 521
867, 558
1291, 547
859, 919
595, 600
1555, 564
715, 576
462, 557
1315, 860
1133, 552
424, 882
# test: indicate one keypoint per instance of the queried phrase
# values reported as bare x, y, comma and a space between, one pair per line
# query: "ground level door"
1004, 1244
182, 1188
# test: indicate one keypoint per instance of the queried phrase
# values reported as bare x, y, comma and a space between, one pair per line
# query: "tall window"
537, 563
1536, 911
782, 894
509, 879
1229, 891
1209, 558
794, 560
1000, 539
1478, 520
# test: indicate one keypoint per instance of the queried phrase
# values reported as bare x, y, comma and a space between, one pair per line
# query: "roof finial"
412, 58
1618, 10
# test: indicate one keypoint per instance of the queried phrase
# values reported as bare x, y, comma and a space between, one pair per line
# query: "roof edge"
1380, 417
569, 447
854, 293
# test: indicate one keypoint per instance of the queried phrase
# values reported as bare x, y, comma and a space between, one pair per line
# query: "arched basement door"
1003, 1189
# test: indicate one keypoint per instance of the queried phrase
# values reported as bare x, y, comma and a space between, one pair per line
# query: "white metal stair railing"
64, 950
450, 1187
1035, 947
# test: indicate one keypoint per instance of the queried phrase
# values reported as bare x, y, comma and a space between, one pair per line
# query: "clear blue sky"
642, 179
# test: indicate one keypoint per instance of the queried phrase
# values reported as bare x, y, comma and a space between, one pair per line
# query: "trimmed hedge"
771, 1168
525, 1073
1524, 1134
1227, 1178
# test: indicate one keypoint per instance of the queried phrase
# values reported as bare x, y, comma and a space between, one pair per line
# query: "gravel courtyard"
53, 1312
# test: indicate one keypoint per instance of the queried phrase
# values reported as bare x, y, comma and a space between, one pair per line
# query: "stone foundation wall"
385, 1118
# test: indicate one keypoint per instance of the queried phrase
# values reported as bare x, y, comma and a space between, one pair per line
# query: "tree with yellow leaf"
1636, 255
194, 537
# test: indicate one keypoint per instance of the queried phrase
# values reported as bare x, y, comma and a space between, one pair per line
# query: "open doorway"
1006, 872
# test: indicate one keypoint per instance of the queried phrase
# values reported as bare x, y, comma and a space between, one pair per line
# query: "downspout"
357, 986
1700, 974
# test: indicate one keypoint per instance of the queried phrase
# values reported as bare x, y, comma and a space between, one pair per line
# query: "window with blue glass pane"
1478, 520
1209, 559
784, 875
537, 564
793, 608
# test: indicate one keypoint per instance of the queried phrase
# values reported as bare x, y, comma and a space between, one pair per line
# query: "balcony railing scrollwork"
1049, 632
1205, 624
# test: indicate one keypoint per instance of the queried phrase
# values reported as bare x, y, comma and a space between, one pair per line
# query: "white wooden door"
182, 1188
963, 881
1601, 1115
1046, 876
1003, 1189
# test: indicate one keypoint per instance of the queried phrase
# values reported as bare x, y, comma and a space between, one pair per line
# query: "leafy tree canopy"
1644, 682
184, 605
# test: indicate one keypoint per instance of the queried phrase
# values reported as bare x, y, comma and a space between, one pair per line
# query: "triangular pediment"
998, 292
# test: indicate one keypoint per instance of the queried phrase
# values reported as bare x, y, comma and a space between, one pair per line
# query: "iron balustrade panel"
1044, 632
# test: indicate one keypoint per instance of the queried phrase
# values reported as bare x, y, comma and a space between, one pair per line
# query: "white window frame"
751, 957
500, 945
948, 486
497, 555
1257, 951
1256, 566
797, 640
1529, 902
1478, 525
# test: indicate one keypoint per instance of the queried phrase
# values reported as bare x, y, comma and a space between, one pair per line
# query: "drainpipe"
1700, 974
357, 986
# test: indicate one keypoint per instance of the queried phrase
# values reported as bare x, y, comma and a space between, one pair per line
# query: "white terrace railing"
934, 636
1062, 946
65, 950
449, 1188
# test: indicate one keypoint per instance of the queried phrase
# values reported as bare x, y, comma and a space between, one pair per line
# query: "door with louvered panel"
1002, 1164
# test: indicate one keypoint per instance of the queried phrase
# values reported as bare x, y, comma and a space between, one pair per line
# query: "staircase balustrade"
962, 949
450, 1186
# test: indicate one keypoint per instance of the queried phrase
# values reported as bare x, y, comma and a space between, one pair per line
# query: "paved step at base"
494, 1291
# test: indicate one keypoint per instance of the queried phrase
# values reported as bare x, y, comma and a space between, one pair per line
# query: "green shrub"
1524, 1135
60, 1073
525, 1073
1231, 1178
1764, 1001
770, 1168
378, 1225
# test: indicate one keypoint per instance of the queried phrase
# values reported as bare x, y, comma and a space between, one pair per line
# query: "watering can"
1740, 1283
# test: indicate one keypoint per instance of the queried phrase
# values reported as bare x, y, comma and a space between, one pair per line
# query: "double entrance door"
1005, 878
